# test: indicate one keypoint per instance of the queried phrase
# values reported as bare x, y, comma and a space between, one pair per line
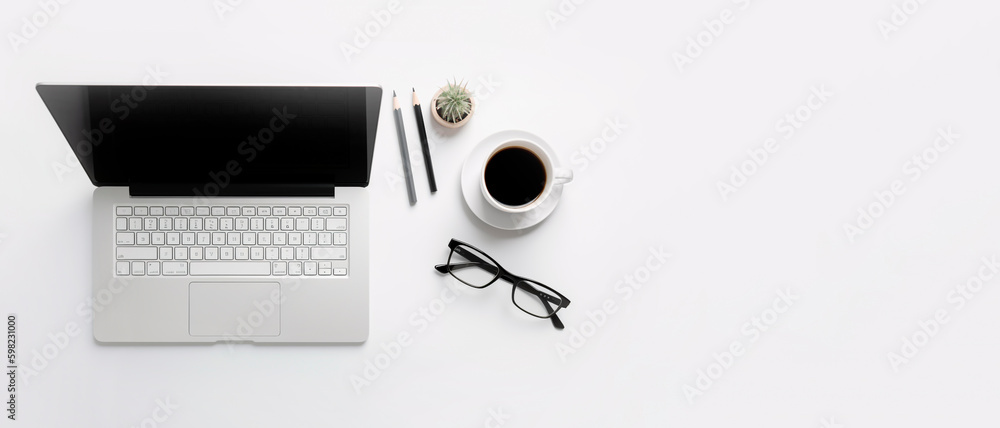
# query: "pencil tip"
393, 93
414, 89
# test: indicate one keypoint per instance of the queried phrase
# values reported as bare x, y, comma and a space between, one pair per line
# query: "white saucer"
473, 192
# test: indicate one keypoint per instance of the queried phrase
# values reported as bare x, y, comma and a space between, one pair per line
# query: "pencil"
403, 150
423, 142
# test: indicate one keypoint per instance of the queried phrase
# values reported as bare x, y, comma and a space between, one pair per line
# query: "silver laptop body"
246, 264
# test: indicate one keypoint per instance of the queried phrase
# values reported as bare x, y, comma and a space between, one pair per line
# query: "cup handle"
562, 176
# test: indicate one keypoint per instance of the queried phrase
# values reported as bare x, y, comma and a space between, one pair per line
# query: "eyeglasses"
476, 269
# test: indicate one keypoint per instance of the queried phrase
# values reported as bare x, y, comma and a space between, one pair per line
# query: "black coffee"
515, 176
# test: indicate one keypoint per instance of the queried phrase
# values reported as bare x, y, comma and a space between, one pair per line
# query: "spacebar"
230, 268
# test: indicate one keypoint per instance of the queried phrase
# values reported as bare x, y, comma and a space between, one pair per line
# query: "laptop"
225, 213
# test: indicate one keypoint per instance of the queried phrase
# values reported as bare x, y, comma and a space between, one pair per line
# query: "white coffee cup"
553, 176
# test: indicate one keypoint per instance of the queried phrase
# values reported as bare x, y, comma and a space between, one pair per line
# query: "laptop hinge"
203, 190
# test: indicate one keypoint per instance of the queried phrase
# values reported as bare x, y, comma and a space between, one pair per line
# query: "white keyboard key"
175, 268
138, 268
294, 211
340, 271
218, 211
242, 253
212, 253
187, 238
287, 253
287, 224
278, 268
203, 211
196, 253
271, 253
173, 238
309, 238
123, 268
233, 211
172, 211
326, 265
180, 253
135, 253
125, 238
141, 211
121, 223
165, 224
166, 253
325, 272
155, 211
187, 211
153, 268
325, 238
149, 223
195, 224
278, 238
158, 238
263, 238
227, 253
271, 223
242, 223
249, 238
295, 268
309, 268
336, 224
256, 223
231, 268
218, 238
316, 224
211, 224
233, 238
329, 253
278, 211
249, 211
325, 211
340, 239
134, 223
295, 238
123, 210
142, 238
226, 224
204, 238
301, 254
181, 224
309, 211
340, 211
301, 224
256, 253
263, 211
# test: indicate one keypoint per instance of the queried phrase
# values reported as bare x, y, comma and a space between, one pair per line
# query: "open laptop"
225, 213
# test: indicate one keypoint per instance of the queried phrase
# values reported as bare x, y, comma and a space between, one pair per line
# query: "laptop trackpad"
234, 310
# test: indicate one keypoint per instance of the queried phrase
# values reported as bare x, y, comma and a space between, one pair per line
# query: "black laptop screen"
208, 140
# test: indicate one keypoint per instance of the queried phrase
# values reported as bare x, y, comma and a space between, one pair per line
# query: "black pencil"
423, 142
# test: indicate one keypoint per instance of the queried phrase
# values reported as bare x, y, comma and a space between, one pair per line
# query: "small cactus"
454, 103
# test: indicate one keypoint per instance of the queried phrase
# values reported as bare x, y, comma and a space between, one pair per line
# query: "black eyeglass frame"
500, 273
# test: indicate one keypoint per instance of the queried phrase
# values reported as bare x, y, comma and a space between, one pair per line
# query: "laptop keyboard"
231, 240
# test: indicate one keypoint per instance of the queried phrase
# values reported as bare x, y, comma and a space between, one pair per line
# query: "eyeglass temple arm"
556, 322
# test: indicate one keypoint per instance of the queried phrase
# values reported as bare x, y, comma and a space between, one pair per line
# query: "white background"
823, 362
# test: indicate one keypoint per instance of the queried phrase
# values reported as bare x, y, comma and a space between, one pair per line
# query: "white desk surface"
824, 360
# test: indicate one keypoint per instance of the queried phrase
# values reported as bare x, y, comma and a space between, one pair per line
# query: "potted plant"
452, 105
